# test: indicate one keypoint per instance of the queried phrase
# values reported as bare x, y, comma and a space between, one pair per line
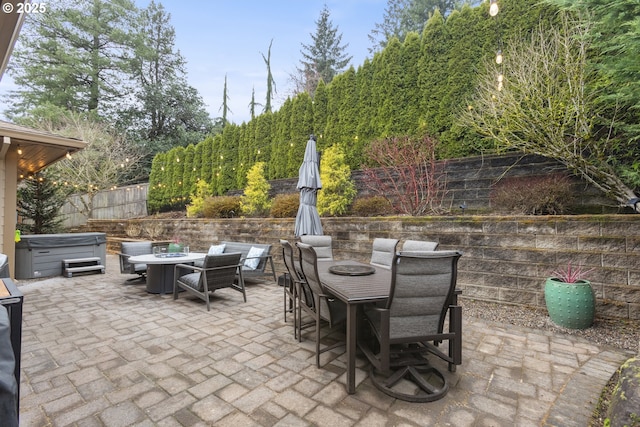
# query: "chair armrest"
187, 267
220, 267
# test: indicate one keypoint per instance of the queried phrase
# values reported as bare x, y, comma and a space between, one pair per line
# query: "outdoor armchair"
217, 272
129, 249
411, 324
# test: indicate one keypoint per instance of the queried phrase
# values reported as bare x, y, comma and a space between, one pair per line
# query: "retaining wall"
506, 259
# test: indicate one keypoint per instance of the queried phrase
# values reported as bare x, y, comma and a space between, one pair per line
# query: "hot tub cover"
32, 241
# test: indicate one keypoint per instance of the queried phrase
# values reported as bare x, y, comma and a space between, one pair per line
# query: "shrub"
538, 195
221, 207
371, 206
285, 205
255, 201
404, 171
196, 208
338, 189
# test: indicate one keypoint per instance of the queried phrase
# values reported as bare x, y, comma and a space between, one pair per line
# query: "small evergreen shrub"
371, 206
285, 205
538, 195
196, 208
221, 207
256, 201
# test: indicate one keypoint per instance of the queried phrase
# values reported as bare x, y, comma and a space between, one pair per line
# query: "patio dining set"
394, 307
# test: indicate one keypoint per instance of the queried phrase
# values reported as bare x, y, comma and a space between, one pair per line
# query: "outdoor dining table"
354, 283
160, 269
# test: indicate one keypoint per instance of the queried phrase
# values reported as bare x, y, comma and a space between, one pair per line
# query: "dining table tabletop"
364, 284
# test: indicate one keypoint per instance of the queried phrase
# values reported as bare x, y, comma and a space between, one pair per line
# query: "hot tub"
41, 255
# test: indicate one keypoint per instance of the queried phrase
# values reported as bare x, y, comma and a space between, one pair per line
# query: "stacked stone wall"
506, 259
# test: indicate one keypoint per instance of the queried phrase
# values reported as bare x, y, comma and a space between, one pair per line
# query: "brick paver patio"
98, 351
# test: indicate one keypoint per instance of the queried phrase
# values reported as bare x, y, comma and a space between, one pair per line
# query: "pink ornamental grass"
571, 274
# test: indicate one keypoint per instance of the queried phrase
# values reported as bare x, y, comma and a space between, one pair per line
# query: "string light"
493, 8
499, 57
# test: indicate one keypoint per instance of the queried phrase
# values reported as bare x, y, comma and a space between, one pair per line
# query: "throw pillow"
250, 262
216, 249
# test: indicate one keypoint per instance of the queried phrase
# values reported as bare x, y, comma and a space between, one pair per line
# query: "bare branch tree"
405, 172
545, 107
100, 166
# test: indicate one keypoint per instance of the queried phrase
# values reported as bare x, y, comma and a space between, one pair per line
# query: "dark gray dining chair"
419, 246
382, 252
323, 245
396, 336
217, 272
324, 306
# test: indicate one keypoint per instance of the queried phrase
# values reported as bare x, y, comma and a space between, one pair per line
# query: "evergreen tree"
168, 111
433, 72
225, 103
39, 202
320, 106
402, 17
72, 57
410, 55
325, 56
271, 84
364, 79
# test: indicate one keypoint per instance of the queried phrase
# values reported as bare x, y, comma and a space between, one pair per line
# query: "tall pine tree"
39, 202
325, 56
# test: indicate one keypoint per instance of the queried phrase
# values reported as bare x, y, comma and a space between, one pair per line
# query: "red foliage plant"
404, 170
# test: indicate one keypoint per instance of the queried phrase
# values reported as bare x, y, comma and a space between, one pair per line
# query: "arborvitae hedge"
407, 89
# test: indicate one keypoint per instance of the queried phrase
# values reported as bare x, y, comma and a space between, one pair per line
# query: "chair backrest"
224, 275
289, 260
383, 251
321, 244
419, 246
309, 265
422, 287
133, 249
244, 249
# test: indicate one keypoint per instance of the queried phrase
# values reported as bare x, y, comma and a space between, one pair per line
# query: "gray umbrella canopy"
307, 219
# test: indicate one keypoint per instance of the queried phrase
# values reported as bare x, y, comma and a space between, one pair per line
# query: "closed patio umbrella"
307, 219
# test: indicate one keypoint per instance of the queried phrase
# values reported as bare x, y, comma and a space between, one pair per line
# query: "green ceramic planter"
571, 305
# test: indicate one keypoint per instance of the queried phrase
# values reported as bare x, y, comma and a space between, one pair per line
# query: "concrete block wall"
506, 259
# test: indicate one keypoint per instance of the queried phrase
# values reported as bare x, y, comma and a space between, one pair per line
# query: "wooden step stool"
81, 265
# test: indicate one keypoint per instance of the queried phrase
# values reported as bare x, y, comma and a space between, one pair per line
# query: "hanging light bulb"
499, 57
493, 8
69, 155
19, 151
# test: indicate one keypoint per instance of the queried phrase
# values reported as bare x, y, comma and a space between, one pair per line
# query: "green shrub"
256, 201
537, 195
285, 205
371, 206
338, 189
196, 208
221, 207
